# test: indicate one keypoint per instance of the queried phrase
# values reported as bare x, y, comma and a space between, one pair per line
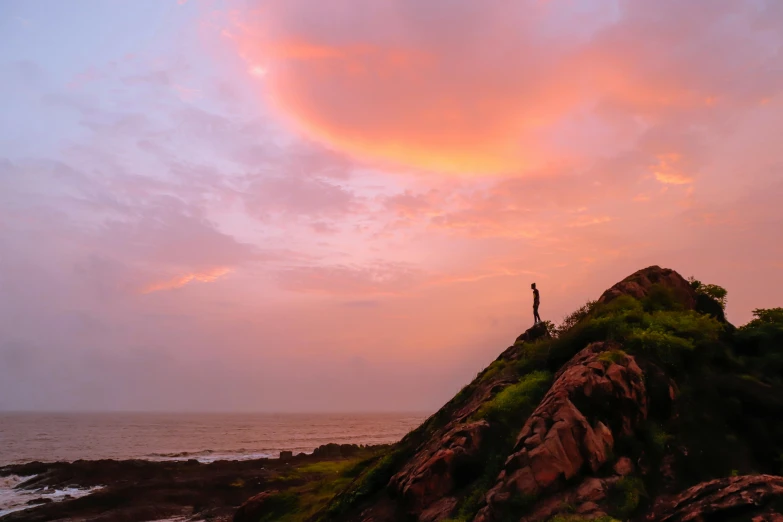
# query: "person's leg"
536, 317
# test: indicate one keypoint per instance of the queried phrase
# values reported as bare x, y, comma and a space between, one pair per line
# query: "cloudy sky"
334, 205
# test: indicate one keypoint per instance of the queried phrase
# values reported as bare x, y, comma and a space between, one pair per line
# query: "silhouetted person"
536, 302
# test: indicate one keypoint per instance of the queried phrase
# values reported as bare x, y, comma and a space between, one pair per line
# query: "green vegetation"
579, 518
718, 293
612, 356
626, 496
373, 479
760, 344
515, 402
314, 485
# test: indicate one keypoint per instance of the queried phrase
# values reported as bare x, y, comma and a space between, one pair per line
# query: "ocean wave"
14, 499
207, 456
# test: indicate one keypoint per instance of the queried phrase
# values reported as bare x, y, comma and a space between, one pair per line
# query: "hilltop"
645, 404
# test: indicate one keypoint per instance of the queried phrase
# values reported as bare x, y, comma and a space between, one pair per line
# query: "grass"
317, 484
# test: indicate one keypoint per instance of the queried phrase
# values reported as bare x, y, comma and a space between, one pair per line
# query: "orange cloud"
180, 281
667, 171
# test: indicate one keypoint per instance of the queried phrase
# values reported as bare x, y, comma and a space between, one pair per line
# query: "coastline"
140, 490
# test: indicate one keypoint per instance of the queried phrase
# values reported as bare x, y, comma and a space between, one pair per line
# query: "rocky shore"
141, 490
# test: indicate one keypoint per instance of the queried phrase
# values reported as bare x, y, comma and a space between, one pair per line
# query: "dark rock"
38, 501
756, 497
255, 507
336, 450
286, 455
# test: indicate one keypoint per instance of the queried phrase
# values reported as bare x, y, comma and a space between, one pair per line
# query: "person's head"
533, 286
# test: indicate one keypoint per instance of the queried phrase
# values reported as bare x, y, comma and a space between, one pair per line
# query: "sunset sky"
333, 205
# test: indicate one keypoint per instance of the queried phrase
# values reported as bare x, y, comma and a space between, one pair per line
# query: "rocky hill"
643, 405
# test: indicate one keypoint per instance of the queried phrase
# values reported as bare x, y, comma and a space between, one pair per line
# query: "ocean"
26, 437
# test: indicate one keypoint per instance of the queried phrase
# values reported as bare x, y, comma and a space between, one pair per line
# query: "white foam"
208, 456
13, 499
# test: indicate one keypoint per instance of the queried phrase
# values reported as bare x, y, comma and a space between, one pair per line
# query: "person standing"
536, 302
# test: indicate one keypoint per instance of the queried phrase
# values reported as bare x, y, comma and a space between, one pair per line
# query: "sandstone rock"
754, 496
572, 431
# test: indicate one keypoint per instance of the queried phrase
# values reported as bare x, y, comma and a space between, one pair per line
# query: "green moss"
613, 356
517, 400
626, 496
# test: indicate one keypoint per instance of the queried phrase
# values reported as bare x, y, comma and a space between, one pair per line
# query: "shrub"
715, 292
573, 319
761, 341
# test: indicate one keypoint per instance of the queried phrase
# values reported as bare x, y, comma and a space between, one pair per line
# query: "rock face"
426, 482
572, 433
428, 485
639, 285
758, 498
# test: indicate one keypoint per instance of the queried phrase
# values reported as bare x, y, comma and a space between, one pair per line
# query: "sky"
333, 205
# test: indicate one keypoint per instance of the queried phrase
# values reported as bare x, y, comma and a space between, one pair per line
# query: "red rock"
557, 439
623, 466
719, 499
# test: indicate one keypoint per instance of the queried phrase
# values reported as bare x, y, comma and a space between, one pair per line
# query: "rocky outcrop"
333, 450
641, 283
571, 434
536, 332
255, 507
426, 482
756, 498
614, 435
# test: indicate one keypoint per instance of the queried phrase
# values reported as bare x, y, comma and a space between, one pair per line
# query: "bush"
715, 292
573, 319
761, 342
